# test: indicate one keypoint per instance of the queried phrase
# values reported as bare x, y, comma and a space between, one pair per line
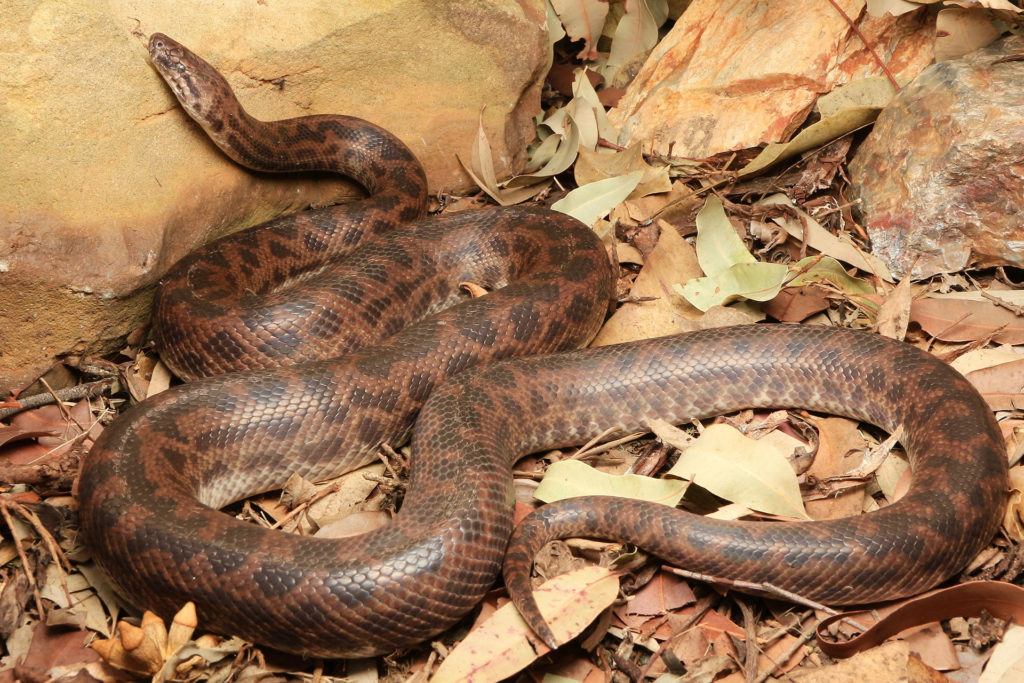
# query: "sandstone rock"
733, 75
939, 177
106, 182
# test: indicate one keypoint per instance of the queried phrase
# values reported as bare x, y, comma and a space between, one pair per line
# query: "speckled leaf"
504, 644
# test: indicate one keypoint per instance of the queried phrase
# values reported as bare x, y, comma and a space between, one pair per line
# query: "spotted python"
316, 338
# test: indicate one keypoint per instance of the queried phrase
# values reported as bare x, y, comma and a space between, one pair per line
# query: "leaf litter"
739, 236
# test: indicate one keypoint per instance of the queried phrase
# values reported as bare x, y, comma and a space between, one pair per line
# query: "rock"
107, 182
939, 177
733, 75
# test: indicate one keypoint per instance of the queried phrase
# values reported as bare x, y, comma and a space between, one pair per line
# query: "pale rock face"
735, 74
939, 176
106, 182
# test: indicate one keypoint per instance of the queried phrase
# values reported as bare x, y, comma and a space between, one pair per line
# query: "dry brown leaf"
1006, 663
599, 164
894, 315
840, 448
671, 260
771, 658
149, 648
361, 522
979, 359
888, 662
1001, 385
956, 318
664, 593
160, 380
796, 304
961, 31
1013, 521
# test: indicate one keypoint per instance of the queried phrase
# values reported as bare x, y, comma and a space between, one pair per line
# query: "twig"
326, 491
87, 390
1002, 303
748, 586
29, 573
591, 447
868, 46
752, 650
805, 635
56, 399
58, 475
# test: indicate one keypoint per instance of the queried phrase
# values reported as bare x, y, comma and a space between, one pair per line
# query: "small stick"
87, 390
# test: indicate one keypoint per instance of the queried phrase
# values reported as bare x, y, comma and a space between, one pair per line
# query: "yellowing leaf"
572, 478
755, 281
504, 644
591, 202
825, 269
876, 91
594, 165
815, 135
843, 110
718, 246
742, 470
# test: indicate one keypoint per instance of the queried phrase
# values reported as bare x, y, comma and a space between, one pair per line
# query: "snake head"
199, 87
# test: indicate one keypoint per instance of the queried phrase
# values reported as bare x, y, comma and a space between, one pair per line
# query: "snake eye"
181, 67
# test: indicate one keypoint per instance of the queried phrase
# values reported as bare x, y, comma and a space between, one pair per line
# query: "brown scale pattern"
151, 485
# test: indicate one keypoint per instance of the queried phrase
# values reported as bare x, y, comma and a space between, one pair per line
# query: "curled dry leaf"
1013, 522
816, 135
997, 598
586, 111
843, 111
635, 34
147, 649
481, 170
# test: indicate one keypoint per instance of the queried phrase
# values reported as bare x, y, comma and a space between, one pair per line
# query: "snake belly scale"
375, 282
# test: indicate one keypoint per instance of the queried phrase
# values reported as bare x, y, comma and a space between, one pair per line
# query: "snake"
313, 340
